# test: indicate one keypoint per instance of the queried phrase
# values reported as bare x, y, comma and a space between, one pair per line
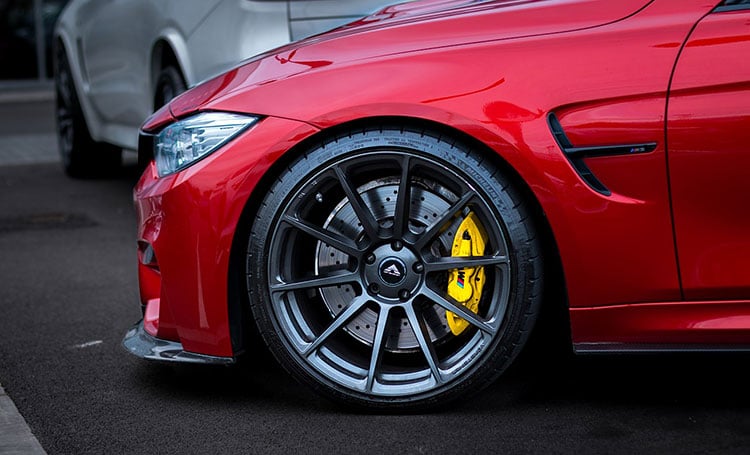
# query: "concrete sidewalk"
25, 92
27, 96
15, 435
27, 127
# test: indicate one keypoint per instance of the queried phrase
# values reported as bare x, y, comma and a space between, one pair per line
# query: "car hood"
410, 27
507, 18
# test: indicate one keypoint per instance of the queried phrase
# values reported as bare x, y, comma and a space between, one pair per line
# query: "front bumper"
145, 346
187, 224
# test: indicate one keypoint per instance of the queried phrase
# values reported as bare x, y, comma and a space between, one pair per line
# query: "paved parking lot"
68, 293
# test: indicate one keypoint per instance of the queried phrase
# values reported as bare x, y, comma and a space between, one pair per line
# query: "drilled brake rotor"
429, 201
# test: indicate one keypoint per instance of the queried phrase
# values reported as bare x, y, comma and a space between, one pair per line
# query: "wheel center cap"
392, 273
392, 270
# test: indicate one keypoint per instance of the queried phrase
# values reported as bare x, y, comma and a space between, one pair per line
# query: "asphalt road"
68, 292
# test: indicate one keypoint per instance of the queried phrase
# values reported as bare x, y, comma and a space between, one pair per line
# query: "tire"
325, 303
169, 84
81, 156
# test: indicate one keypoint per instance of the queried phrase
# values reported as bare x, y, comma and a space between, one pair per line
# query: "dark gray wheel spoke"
455, 307
449, 263
64, 117
377, 346
345, 316
63, 80
403, 203
64, 96
331, 238
64, 120
317, 282
435, 227
423, 338
369, 223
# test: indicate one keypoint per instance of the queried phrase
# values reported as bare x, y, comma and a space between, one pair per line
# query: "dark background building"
26, 38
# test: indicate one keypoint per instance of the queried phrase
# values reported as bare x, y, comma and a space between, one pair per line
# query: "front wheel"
391, 269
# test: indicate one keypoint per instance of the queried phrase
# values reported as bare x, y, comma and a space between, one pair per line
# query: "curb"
25, 96
16, 437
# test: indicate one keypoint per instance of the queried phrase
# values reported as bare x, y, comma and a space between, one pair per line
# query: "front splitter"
141, 344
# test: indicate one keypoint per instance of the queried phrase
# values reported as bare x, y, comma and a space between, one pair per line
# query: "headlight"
182, 143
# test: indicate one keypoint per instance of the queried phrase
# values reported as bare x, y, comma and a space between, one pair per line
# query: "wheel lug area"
392, 273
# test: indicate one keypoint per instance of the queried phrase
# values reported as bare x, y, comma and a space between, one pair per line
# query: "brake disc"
429, 201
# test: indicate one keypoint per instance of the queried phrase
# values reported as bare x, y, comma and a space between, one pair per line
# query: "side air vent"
576, 155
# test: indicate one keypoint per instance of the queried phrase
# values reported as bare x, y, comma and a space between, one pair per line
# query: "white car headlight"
184, 142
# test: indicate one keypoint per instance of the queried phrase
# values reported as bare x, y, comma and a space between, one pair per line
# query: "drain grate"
43, 221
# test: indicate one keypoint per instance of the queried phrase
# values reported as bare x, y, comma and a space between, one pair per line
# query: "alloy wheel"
359, 263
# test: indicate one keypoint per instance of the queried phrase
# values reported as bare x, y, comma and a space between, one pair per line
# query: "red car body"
657, 257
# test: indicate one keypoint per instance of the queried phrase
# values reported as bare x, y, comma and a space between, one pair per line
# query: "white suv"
116, 61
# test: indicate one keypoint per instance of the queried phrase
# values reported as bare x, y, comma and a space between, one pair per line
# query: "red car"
392, 204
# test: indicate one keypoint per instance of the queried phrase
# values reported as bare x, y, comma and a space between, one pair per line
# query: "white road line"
88, 344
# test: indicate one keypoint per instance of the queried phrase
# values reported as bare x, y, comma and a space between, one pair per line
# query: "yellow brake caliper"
465, 284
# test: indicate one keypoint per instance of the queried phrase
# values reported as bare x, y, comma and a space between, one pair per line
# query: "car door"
116, 37
708, 134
